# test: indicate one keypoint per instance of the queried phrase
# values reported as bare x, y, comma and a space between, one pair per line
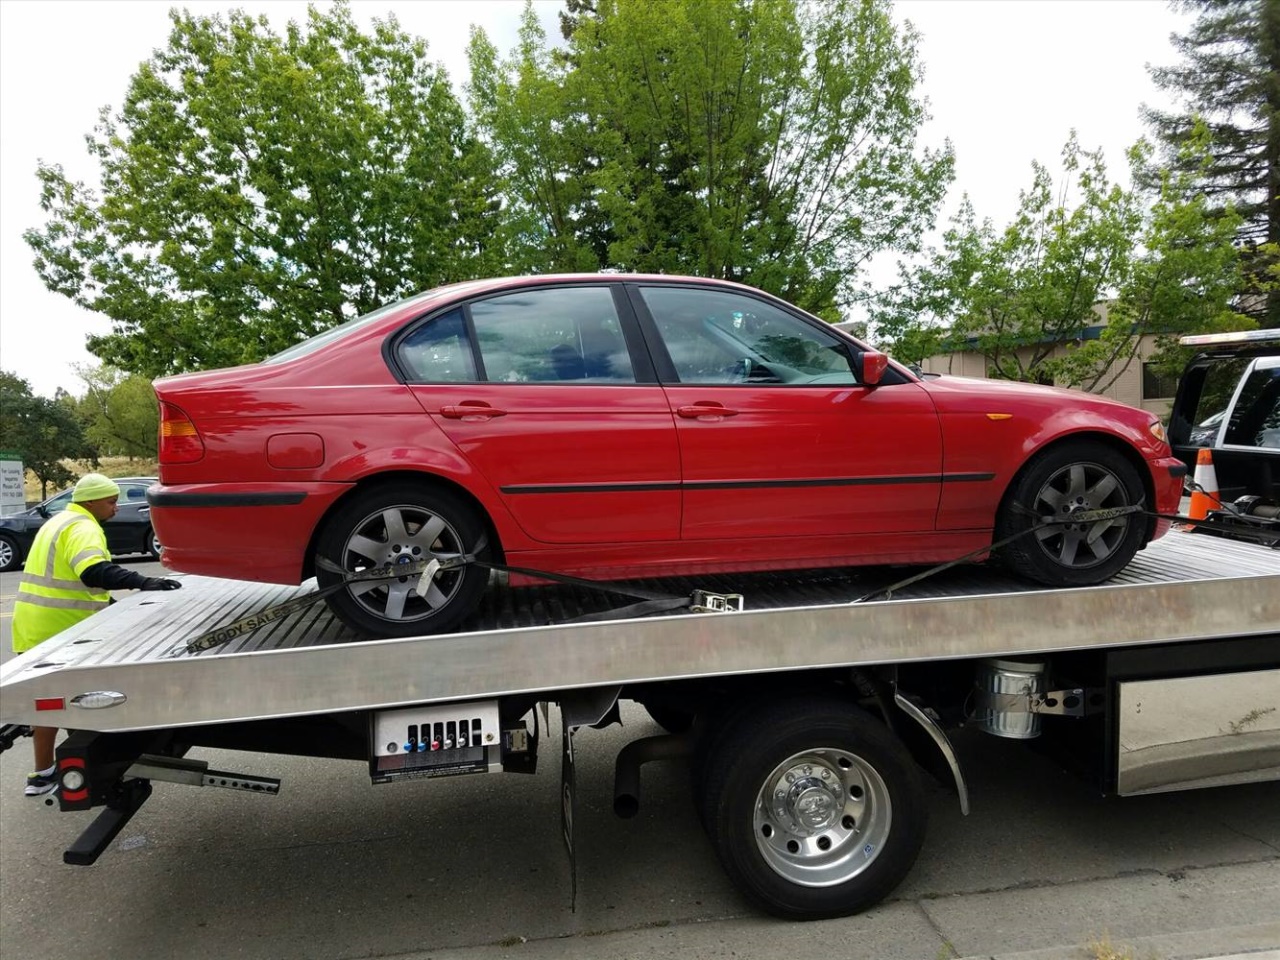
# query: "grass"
111, 466
1101, 948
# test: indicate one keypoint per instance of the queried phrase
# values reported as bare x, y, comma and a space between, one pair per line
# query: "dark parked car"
129, 531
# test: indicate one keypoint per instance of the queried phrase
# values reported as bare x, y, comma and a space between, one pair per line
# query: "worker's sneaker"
38, 784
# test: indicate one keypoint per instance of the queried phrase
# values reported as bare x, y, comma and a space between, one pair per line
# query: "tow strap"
651, 601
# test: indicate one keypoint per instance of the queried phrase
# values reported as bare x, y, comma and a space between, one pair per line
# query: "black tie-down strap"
651, 601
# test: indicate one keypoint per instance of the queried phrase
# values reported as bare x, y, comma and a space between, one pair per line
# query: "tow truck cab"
1228, 401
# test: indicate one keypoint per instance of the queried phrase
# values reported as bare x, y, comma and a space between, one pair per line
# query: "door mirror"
874, 364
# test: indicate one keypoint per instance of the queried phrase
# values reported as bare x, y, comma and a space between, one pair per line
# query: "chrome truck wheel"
814, 808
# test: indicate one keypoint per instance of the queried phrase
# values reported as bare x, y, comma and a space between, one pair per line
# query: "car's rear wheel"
9, 555
1065, 480
401, 523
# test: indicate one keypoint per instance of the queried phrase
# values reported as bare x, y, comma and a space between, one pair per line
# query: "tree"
119, 412
1165, 263
43, 432
257, 189
758, 140
1230, 81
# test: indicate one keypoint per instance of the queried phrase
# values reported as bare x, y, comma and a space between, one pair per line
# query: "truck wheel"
814, 809
9, 557
401, 523
1064, 480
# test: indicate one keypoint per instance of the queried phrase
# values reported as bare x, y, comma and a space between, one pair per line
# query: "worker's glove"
160, 583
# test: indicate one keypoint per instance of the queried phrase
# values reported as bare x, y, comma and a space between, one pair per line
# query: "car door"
777, 436
127, 530
548, 393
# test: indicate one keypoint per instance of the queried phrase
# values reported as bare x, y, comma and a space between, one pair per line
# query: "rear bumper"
240, 531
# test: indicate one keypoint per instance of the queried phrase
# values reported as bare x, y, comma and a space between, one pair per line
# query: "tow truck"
1228, 402
808, 706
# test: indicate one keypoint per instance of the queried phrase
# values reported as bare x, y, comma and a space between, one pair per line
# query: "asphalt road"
474, 868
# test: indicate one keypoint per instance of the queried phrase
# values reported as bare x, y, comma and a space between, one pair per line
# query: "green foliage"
1165, 262
1229, 81
42, 431
257, 189
119, 413
755, 140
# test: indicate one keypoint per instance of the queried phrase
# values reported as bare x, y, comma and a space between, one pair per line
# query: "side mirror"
43, 511
874, 364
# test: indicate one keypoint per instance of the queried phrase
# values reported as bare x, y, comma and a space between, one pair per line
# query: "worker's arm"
112, 576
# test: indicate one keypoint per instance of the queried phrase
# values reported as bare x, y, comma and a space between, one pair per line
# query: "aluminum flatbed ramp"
1182, 587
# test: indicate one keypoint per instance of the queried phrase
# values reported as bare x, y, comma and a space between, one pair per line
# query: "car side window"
1255, 418
59, 503
131, 493
715, 336
439, 351
552, 335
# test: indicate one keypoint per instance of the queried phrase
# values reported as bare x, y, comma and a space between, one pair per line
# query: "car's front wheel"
1073, 478
402, 523
151, 544
9, 555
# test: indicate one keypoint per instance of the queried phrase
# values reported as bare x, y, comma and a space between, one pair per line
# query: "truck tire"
1080, 475
402, 522
813, 808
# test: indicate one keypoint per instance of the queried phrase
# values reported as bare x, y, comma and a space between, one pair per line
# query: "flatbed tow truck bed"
807, 716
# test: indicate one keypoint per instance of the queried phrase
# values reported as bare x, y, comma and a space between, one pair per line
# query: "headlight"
1158, 431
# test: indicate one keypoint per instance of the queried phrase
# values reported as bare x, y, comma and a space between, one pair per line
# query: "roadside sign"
13, 499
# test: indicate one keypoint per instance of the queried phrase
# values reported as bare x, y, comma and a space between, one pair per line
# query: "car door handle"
471, 410
705, 410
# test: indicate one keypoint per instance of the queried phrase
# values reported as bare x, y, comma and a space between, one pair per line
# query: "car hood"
975, 395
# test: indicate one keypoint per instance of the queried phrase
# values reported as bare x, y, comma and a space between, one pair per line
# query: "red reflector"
51, 703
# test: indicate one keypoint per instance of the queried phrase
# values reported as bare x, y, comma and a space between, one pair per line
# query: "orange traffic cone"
1204, 493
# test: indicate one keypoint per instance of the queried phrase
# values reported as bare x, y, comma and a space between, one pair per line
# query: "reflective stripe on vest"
50, 596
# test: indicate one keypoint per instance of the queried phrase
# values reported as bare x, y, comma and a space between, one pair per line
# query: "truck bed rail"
1182, 587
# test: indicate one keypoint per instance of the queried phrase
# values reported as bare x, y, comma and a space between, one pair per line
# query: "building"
1138, 383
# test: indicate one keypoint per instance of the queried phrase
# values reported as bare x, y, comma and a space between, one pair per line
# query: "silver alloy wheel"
7, 554
822, 817
153, 543
404, 533
1075, 488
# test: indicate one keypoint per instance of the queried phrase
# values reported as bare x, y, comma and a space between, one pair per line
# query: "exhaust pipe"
626, 775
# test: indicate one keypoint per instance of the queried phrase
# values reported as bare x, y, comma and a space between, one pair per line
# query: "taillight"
179, 439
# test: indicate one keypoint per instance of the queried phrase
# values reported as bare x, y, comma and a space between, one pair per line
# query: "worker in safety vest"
65, 579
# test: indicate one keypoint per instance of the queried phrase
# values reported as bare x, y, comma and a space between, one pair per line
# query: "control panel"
438, 741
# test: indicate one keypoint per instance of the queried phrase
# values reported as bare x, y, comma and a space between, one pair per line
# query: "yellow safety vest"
51, 596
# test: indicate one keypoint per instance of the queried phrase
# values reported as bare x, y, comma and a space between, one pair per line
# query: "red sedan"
620, 426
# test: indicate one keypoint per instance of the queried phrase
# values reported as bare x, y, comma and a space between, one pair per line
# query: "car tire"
151, 545
413, 521
1081, 475
10, 555
814, 809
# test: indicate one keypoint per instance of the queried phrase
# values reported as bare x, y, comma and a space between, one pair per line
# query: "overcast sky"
1006, 81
